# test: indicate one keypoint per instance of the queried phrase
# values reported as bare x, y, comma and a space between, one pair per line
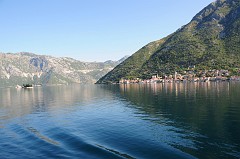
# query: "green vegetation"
130, 68
210, 41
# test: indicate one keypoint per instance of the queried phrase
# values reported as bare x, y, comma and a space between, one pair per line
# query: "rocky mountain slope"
211, 40
22, 68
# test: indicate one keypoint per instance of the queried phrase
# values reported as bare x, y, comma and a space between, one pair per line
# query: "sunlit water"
195, 120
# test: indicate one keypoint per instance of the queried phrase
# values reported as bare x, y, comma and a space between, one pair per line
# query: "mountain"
211, 40
22, 68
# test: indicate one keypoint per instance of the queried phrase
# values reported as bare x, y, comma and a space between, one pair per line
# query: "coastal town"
188, 76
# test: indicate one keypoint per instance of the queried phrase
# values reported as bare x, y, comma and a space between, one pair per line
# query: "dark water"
121, 121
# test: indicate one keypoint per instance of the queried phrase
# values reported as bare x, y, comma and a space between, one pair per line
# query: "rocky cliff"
22, 68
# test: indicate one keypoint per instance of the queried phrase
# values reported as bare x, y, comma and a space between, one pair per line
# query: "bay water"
152, 121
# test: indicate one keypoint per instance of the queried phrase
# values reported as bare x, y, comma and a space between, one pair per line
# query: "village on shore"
188, 76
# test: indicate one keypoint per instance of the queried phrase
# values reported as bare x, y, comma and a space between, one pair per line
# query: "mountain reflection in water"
170, 120
206, 114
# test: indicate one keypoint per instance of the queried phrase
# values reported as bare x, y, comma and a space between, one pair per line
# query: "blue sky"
90, 30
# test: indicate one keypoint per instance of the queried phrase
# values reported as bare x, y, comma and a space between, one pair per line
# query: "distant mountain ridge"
211, 40
24, 67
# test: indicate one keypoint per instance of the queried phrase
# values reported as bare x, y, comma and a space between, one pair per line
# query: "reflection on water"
207, 113
44, 99
172, 120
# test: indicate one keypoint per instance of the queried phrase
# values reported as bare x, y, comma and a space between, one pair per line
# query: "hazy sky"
90, 30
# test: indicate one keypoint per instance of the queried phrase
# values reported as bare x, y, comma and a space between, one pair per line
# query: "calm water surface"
121, 121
